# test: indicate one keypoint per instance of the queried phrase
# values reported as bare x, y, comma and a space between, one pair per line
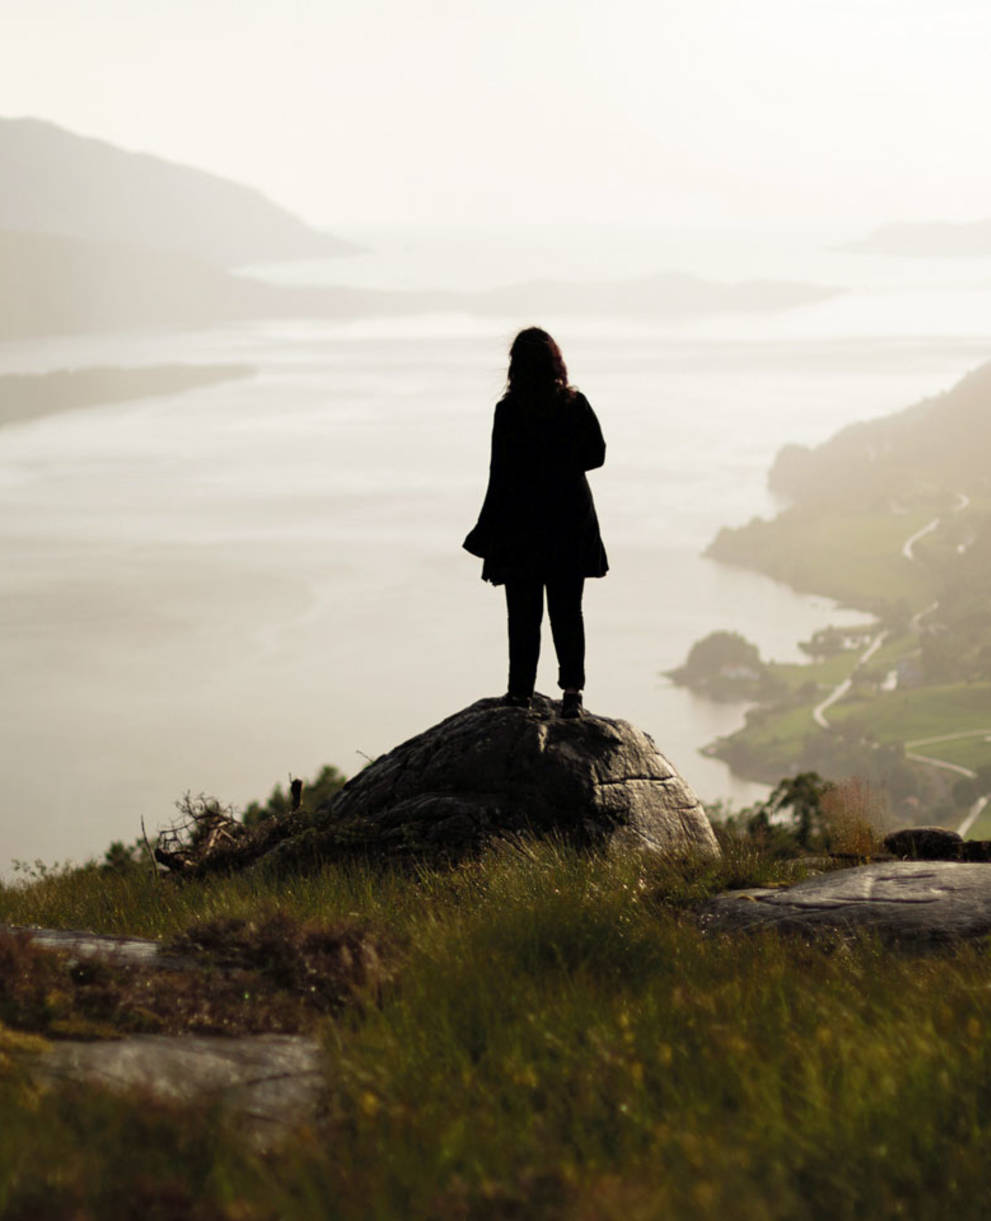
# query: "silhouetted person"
538, 528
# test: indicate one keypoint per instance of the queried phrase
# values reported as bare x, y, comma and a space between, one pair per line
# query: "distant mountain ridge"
928, 239
55, 285
57, 182
671, 294
52, 284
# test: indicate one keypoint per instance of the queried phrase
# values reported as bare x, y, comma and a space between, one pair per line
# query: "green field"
972, 752
892, 651
920, 712
825, 674
982, 827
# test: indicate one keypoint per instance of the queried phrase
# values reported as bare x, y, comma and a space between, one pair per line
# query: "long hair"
536, 366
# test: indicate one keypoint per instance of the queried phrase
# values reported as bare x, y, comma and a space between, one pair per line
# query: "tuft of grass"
855, 817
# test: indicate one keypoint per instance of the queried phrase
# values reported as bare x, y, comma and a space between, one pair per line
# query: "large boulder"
492, 770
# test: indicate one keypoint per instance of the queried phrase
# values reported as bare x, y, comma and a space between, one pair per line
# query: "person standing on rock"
538, 528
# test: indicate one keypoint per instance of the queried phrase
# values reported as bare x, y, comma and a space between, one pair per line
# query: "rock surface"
134, 951
270, 1082
492, 770
931, 902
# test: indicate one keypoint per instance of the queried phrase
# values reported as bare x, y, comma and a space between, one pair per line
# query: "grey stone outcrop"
492, 770
126, 951
270, 1083
923, 902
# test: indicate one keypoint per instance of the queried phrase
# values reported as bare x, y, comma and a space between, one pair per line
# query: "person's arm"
591, 447
479, 538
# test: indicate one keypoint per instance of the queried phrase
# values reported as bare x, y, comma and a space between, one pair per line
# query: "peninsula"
891, 516
28, 396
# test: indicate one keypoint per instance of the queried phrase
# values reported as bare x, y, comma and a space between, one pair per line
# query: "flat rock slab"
492, 770
272, 1083
129, 951
911, 901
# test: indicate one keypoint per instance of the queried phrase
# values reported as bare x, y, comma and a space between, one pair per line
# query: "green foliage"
279, 803
122, 858
801, 798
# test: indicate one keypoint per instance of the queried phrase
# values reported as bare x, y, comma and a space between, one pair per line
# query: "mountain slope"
55, 181
941, 441
886, 511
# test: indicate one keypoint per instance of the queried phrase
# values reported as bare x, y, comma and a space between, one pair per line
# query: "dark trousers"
525, 610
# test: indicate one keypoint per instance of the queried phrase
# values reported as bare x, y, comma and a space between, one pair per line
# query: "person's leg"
564, 607
524, 611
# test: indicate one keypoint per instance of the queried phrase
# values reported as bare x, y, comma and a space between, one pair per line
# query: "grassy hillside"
557, 1039
850, 555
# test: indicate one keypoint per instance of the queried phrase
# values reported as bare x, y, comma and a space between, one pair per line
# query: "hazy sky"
427, 111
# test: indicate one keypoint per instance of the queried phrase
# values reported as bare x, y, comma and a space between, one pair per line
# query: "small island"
725, 666
928, 239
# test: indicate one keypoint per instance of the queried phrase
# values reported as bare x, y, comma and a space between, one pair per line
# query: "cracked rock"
491, 771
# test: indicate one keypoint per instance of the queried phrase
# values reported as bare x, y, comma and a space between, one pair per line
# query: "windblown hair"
536, 365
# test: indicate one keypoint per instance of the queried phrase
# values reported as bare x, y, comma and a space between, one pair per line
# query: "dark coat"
538, 519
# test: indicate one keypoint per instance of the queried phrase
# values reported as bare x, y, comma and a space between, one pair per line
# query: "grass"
559, 1040
921, 712
892, 651
972, 752
982, 827
825, 674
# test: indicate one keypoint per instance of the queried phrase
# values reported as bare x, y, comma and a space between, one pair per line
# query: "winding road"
838, 692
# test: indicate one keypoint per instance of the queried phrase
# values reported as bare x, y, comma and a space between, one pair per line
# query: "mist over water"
211, 590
